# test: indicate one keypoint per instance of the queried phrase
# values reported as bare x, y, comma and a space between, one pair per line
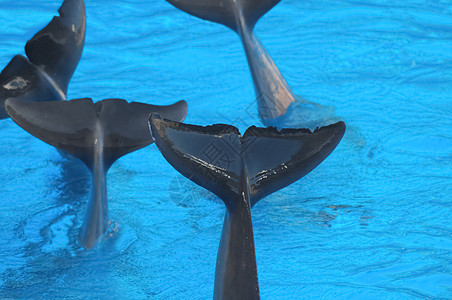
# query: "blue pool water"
371, 222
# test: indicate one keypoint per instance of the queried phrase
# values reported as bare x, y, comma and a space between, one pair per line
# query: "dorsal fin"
72, 125
57, 48
214, 156
226, 12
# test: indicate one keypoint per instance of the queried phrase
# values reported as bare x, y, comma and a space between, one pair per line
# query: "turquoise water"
371, 222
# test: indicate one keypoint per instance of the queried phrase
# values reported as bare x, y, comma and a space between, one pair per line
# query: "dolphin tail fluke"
208, 156
80, 126
96, 133
53, 54
57, 48
241, 170
22, 79
227, 13
216, 157
278, 158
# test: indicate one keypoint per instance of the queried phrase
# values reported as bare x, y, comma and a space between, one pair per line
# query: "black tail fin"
227, 12
276, 159
53, 53
57, 48
77, 126
212, 156
21, 79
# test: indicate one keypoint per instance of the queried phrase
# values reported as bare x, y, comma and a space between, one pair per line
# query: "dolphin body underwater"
53, 54
241, 170
273, 94
96, 133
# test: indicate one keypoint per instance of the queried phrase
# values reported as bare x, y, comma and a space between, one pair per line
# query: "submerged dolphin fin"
226, 12
96, 133
53, 54
74, 126
212, 156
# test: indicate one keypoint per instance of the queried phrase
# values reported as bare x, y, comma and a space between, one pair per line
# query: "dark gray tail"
57, 48
98, 134
216, 157
227, 12
80, 126
53, 54
23, 80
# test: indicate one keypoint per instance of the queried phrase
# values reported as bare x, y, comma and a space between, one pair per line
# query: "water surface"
371, 222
